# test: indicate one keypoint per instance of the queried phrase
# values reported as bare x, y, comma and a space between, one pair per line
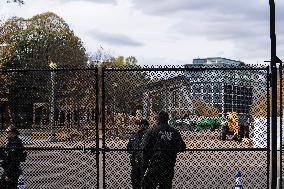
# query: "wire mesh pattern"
197, 99
56, 113
76, 128
47, 104
200, 101
198, 169
60, 169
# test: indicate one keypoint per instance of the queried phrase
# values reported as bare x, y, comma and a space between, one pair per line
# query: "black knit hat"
163, 116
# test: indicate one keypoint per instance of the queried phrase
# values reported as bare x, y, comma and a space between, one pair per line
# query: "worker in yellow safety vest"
233, 124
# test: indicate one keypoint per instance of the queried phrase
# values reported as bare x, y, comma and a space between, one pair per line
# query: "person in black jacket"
160, 147
11, 158
134, 148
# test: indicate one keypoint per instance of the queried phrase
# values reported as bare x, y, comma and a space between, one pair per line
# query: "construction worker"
233, 125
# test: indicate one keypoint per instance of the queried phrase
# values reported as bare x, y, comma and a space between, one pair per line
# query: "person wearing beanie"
160, 147
11, 159
134, 148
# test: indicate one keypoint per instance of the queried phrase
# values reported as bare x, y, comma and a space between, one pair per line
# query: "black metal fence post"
274, 96
103, 126
281, 121
97, 127
268, 123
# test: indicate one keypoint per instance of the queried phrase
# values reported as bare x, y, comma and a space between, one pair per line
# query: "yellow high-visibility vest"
233, 123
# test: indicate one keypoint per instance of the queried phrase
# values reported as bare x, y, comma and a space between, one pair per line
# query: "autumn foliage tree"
32, 44
259, 106
123, 86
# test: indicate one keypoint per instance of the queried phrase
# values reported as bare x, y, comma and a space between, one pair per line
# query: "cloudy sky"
166, 32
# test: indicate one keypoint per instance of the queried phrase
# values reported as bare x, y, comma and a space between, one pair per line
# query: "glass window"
207, 98
234, 99
217, 89
196, 88
228, 98
236, 89
228, 89
235, 108
227, 107
217, 98
207, 89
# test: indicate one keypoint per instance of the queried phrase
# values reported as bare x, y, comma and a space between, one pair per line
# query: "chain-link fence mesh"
60, 169
197, 169
56, 113
221, 112
216, 109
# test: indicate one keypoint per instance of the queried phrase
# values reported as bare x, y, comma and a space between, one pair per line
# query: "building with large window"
221, 83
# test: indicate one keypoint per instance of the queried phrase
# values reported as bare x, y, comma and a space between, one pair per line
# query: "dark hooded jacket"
134, 146
161, 144
12, 157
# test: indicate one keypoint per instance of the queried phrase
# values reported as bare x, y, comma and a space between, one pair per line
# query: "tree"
123, 86
123, 95
131, 60
33, 43
99, 56
259, 106
16, 1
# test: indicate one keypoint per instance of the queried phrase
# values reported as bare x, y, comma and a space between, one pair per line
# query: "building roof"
216, 61
241, 77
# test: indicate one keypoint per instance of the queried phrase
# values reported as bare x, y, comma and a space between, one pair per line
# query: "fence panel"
56, 112
198, 99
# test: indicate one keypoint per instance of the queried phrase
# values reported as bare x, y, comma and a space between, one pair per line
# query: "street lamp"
114, 107
53, 66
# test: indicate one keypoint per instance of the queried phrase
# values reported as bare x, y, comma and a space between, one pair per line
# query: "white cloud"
166, 31
114, 39
92, 1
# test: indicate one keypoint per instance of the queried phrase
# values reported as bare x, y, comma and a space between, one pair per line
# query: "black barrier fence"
56, 112
198, 99
76, 123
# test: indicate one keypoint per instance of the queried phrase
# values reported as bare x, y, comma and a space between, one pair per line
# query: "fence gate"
57, 113
197, 99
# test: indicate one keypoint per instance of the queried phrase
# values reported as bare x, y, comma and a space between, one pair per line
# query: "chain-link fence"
56, 112
76, 123
221, 112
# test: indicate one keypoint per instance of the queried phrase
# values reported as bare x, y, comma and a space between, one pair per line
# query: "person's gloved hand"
7, 179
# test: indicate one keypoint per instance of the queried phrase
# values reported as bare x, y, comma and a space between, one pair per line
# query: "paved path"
76, 169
